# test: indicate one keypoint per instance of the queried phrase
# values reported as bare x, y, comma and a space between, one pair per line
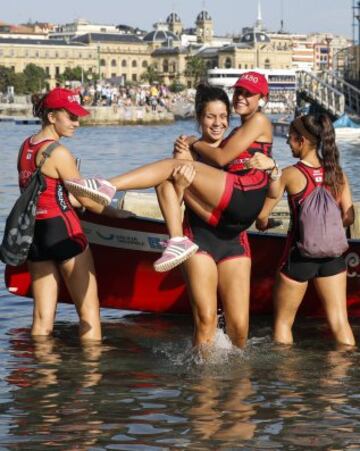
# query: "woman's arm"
270, 203
346, 204
250, 131
62, 165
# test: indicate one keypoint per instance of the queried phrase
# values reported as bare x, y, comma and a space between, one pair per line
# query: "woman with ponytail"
60, 248
312, 141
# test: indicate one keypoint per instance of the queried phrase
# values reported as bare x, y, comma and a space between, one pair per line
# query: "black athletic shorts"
303, 269
52, 241
220, 245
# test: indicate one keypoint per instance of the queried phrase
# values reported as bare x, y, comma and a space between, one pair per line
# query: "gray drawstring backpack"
322, 233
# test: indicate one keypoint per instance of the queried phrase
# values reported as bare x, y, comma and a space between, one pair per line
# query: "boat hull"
124, 251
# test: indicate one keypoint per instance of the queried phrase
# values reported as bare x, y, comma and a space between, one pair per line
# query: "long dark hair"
319, 130
39, 110
205, 94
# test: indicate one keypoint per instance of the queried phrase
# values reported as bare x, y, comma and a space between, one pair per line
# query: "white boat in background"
278, 79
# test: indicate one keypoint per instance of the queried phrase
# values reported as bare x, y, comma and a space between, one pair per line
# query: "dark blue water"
144, 388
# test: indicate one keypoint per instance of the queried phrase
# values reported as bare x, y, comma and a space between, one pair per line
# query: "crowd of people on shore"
226, 183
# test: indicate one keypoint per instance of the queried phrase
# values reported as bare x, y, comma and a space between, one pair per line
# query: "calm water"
144, 388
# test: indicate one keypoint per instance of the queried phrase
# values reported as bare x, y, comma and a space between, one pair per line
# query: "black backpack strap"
48, 151
20, 154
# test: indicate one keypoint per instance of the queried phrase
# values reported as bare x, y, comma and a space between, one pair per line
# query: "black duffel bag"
20, 223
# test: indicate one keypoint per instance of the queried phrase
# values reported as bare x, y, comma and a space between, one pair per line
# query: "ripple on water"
145, 388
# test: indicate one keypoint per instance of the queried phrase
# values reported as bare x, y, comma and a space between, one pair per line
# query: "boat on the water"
124, 251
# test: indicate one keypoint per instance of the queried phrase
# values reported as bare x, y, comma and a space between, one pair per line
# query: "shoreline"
107, 115
99, 116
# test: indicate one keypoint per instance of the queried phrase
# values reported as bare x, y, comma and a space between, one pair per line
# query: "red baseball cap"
62, 98
253, 82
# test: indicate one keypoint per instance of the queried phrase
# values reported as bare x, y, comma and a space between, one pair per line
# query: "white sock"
177, 238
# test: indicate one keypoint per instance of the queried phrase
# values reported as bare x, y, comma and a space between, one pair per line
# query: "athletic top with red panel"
57, 224
293, 264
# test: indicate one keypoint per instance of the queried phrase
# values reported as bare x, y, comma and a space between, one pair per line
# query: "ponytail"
328, 154
39, 110
318, 129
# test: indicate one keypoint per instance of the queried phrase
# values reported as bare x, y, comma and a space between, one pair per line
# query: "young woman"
312, 141
222, 263
228, 196
60, 248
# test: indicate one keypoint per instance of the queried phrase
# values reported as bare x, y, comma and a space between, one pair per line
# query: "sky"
229, 16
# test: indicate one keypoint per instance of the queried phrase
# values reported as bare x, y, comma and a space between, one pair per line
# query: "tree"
151, 75
6, 76
196, 69
9, 78
35, 78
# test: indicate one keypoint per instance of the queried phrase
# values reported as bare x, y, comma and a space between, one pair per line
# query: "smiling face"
245, 103
214, 121
64, 122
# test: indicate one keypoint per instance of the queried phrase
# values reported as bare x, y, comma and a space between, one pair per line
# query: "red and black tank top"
237, 166
53, 201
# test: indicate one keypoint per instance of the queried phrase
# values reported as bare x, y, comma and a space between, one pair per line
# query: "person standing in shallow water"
312, 141
60, 249
222, 263
228, 195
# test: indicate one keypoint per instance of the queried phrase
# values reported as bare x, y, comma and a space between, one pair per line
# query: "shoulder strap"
306, 173
20, 153
48, 151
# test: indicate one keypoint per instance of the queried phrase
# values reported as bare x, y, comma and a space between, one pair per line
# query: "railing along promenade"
330, 91
320, 91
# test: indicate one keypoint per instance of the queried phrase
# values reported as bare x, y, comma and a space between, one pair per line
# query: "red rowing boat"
124, 251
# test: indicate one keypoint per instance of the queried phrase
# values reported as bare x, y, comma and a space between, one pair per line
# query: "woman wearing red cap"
227, 191
60, 248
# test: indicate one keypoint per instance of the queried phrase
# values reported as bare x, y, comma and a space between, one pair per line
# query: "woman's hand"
260, 161
182, 148
262, 223
74, 202
183, 176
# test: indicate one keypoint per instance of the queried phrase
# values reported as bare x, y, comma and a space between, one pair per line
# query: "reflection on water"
138, 391
145, 388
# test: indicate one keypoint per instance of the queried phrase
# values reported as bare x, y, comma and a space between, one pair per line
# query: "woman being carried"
312, 140
228, 196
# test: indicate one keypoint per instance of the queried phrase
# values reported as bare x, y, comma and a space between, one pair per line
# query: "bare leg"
79, 276
45, 287
288, 295
201, 280
332, 292
234, 288
208, 184
170, 208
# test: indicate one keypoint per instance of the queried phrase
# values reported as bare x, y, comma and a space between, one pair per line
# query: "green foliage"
151, 75
9, 78
176, 86
35, 78
196, 69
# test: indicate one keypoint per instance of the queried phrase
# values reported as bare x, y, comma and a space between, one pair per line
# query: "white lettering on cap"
73, 99
251, 78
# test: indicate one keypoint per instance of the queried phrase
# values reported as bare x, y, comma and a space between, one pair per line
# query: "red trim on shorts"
224, 201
